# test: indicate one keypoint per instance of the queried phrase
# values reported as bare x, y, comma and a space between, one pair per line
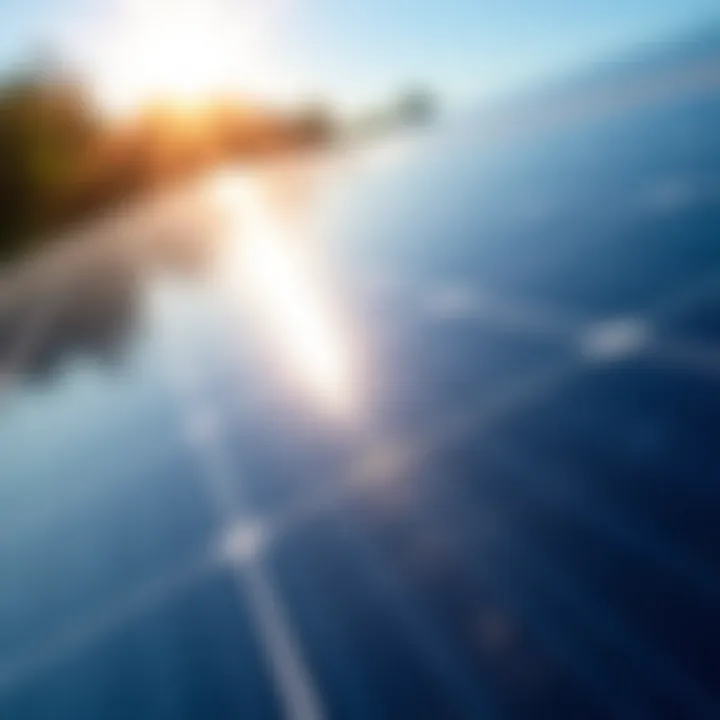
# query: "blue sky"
356, 50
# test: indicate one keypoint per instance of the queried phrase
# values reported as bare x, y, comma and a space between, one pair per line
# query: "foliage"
60, 162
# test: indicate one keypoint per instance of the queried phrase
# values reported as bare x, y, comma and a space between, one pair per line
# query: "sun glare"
275, 274
183, 52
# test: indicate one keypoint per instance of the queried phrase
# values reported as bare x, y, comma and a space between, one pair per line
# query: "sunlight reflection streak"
277, 277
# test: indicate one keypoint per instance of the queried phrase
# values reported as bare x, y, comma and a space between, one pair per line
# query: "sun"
181, 52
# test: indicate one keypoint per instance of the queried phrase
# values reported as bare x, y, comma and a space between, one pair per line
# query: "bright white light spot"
276, 274
242, 542
184, 51
615, 339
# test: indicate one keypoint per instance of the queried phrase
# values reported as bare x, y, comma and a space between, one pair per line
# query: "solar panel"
523, 524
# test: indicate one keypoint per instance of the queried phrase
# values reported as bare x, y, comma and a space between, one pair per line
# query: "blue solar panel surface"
528, 525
